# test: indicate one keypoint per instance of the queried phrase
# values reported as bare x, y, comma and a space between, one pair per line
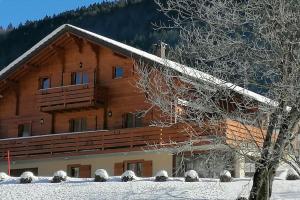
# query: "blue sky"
16, 11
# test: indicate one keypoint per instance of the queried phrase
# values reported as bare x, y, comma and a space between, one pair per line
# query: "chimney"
160, 49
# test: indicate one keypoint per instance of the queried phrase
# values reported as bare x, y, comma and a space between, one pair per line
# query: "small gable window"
44, 83
79, 78
118, 72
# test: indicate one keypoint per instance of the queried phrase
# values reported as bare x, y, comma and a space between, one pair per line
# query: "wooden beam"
15, 86
96, 50
61, 54
79, 42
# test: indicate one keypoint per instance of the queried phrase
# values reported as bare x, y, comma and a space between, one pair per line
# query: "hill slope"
128, 21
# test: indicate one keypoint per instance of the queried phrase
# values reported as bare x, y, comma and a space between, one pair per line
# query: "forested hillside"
129, 21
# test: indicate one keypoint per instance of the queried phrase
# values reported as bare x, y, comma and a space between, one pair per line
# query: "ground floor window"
249, 167
18, 172
137, 167
142, 168
79, 171
74, 172
207, 164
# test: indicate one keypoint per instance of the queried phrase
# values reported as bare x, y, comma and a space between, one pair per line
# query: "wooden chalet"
70, 103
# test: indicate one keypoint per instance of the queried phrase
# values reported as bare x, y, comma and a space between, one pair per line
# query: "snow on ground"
144, 188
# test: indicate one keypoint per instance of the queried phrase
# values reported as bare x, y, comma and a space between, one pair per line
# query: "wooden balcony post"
102, 141
131, 139
77, 143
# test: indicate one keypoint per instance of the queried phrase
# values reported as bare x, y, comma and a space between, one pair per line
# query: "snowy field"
175, 188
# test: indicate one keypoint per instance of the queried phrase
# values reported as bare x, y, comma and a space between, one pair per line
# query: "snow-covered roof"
133, 52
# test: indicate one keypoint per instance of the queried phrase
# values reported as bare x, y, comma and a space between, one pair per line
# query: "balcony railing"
93, 142
70, 97
122, 140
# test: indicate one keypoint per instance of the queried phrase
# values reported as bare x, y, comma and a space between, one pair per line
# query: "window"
131, 120
18, 172
44, 83
78, 125
24, 130
79, 78
249, 167
79, 171
118, 72
74, 172
137, 167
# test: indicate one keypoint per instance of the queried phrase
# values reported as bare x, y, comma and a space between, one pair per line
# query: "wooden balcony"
121, 140
85, 143
70, 97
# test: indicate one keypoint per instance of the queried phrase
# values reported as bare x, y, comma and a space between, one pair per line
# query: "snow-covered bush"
3, 176
191, 176
27, 177
161, 176
292, 175
59, 176
128, 176
242, 198
101, 175
225, 176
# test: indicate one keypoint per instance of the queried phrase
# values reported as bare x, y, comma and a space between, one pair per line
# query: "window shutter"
71, 125
124, 120
129, 121
147, 168
138, 120
73, 78
83, 124
20, 130
85, 171
119, 169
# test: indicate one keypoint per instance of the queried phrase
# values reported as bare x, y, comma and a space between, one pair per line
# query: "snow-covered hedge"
128, 176
59, 176
191, 176
101, 175
27, 177
3, 176
161, 176
242, 198
292, 175
225, 176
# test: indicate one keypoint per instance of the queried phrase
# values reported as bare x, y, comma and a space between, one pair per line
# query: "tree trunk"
262, 183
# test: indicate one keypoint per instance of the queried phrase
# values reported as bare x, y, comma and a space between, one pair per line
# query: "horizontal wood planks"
122, 140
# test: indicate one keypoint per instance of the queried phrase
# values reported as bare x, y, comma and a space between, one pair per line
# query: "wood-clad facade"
74, 98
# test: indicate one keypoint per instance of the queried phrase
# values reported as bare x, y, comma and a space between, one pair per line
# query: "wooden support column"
61, 54
79, 42
14, 86
96, 50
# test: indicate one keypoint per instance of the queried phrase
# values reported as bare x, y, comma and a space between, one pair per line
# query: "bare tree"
227, 49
